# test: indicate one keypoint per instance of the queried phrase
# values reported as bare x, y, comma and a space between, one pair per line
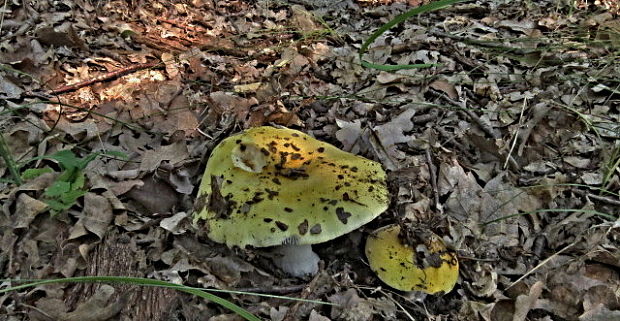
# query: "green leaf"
78, 180
69, 198
66, 158
35, 172
56, 206
58, 188
83, 162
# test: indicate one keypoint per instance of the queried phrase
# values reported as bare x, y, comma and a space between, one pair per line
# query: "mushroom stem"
296, 260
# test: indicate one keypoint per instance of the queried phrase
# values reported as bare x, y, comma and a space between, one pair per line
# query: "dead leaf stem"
105, 77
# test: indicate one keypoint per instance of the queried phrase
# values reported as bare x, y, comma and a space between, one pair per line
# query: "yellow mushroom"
273, 186
427, 266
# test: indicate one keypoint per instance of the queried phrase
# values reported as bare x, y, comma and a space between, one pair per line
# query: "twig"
545, 261
45, 314
516, 136
431, 170
607, 200
486, 128
105, 77
539, 112
275, 289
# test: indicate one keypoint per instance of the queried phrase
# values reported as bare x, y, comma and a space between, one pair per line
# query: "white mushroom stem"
296, 260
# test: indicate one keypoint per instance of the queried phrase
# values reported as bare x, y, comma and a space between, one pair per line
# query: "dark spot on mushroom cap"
295, 135
271, 194
303, 227
354, 169
340, 176
316, 229
288, 209
283, 227
343, 215
242, 147
320, 149
267, 220
272, 147
264, 151
276, 181
238, 141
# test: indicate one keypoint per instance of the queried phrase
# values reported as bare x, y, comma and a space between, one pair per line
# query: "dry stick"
105, 77
516, 136
486, 128
539, 112
274, 290
431, 170
607, 200
545, 261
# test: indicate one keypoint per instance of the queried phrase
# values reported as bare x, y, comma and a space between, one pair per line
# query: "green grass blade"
399, 19
145, 282
9, 162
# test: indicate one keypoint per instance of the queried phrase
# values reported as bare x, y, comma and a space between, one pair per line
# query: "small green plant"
70, 184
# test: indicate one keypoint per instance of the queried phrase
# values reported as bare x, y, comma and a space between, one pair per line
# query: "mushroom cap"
427, 267
268, 186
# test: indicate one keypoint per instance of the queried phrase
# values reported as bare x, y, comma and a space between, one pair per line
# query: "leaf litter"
508, 149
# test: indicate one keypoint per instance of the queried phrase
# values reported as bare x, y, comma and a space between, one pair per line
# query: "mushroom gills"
296, 260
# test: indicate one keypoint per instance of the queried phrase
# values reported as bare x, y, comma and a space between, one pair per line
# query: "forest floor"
508, 147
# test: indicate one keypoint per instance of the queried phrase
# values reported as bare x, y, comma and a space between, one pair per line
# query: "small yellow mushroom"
427, 266
273, 186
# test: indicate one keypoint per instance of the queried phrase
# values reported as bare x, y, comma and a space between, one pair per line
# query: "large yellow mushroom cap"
268, 186
427, 267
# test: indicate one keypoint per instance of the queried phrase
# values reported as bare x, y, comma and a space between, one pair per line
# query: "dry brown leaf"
315, 316
26, 209
392, 133
525, 303
446, 87
173, 153
155, 195
350, 135
227, 103
96, 217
